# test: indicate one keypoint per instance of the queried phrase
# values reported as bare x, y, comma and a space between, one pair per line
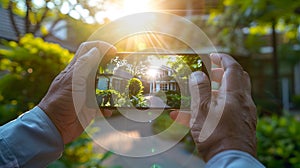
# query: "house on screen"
158, 78
161, 79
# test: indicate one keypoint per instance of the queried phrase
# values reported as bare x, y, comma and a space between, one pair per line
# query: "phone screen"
147, 80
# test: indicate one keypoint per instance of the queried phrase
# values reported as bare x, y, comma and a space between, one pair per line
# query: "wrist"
51, 119
209, 150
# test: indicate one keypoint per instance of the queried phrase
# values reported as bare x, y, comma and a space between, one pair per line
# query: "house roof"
6, 29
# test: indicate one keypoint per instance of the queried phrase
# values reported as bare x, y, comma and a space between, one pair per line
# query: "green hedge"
80, 154
28, 68
279, 141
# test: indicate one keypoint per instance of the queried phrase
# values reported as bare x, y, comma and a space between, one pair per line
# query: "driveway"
124, 136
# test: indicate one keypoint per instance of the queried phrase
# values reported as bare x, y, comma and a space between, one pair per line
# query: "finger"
182, 118
214, 95
233, 72
103, 47
85, 64
217, 74
106, 112
224, 61
83, 67
200, 96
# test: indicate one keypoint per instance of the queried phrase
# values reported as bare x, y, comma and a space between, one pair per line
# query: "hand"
70, 102
223, 119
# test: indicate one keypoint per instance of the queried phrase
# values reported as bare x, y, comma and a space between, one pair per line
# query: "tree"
37, 13
184, 65
261, 17
135, 65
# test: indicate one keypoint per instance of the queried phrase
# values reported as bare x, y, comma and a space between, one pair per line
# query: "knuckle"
234, 66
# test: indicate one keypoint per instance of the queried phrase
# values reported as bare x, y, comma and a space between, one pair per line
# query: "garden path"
175, 157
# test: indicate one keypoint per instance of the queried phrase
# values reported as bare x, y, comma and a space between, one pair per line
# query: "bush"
80, 154
174, 99
28, 68
279, 141
107, 97
135, 93
135, 87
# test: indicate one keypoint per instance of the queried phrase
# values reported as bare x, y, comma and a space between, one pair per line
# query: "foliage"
288, 54
134, 65
232, 16
296, 100
184, 65
80, 154
107, 97
28, 68
135, 92
174, 99
135, 87
279, 141
36, 13
133, 97
245, 27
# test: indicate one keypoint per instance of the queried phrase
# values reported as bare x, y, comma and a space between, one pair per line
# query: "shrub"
28, 68
135, 87
135, 93
279, 141
174, 99
107, 97
80, 154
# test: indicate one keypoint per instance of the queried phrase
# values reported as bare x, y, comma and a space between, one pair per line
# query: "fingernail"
94, 51
215, 54
196, 77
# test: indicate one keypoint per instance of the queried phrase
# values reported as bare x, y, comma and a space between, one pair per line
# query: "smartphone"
147, 80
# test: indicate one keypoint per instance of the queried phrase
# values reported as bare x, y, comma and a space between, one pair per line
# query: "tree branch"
39, 23
27, 19
12, 20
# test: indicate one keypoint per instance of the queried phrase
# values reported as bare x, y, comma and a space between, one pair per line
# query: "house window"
164, 86
172, 86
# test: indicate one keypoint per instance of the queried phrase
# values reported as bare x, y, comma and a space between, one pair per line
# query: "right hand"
223, 119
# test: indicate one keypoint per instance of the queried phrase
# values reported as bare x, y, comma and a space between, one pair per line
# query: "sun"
115, 10
152, 73
132, 6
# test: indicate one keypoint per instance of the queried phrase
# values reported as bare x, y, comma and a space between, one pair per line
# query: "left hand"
70, 102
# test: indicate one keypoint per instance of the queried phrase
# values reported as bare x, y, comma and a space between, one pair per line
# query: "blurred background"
39, 37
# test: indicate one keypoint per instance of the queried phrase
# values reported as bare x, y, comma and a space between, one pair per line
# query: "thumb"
84, 73
84, 66
200, 90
